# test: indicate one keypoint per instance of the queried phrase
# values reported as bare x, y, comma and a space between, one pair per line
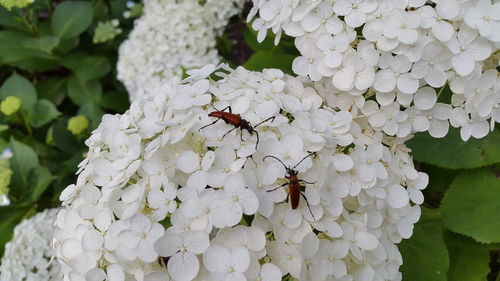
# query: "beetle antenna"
276, 158
312, 153
309, 207
265, 120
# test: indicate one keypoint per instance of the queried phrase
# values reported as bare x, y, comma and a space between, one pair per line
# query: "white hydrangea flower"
197, 199
405, 46
171, 36
29, 255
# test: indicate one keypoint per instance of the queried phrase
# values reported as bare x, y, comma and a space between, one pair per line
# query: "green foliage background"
48, 60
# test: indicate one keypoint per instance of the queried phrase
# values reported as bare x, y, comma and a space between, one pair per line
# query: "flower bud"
10, 105
78, 124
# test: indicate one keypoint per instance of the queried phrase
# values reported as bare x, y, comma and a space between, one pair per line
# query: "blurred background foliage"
57, 79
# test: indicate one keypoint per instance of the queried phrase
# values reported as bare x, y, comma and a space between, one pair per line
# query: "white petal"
425, 98
168, 245
463, 64
442, 30
183, 266
240, 258
342, 162
71, 248
407, 84
196, 241
366, 241
270, 272
439, 128
385, 81
397, 196
216, 258
188, 161
92, 240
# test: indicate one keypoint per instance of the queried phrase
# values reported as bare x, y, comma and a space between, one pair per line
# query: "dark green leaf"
27, 51
71, 18
44, 112
51, 88
453, 153
40, 179
68, 44
10, 216
63, 139
87, 67
10, 19
20, 87
439, 181
24, 159
93, 112
469, 260
82, 92
268, 59
471, 205
117, 101
250, 37
425, 256
285, 46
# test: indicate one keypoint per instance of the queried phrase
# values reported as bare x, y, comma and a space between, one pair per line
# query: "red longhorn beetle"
236, 121
293, 182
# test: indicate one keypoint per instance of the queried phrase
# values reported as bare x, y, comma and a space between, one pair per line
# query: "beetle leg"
307, 182
209, 124
257, 142
229, 132
271, 190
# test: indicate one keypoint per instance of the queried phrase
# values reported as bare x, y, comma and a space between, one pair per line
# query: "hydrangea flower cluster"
171, 36
163, 196
399, 52
28, 256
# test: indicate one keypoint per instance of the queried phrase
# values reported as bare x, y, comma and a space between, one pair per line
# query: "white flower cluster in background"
28, 256
400, 52
171, 36
158, 184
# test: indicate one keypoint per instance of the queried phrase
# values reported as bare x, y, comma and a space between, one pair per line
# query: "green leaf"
439, 181
32, 53
68, 44
469, 260
81, 92
40, 179
471, 206
44, 112
269, 59
285, 46
93, 112
20, 87
87, 67
117, 101
63, 139
250, 37
425, 256
70, 19
453, 153
51, 88
10, 216
23, 160
10, 19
